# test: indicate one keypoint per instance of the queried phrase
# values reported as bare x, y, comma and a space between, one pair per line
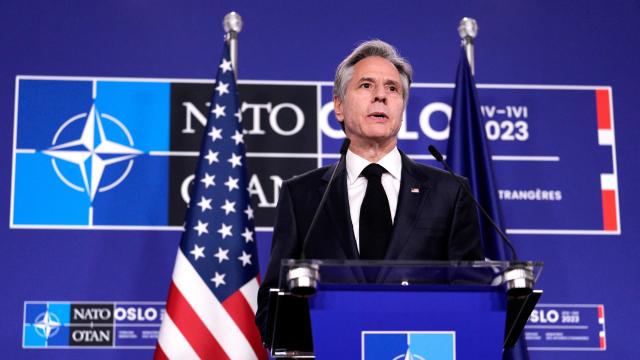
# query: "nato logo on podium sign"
408, 345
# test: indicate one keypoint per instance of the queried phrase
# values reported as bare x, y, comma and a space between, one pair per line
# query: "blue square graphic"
398, 345
30, 337
46, 325
63, 312
87, 153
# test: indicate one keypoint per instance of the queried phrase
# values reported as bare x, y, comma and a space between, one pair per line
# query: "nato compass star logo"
409, 355
92, 152
76, 165
408, 345
47, 324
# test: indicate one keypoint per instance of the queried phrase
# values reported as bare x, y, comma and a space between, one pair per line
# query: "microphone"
323, 200
518, 278
438, 156
303, 280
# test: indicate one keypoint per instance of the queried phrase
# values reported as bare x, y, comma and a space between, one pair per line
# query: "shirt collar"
392, 162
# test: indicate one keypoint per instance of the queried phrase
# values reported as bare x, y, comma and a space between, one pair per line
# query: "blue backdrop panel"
558, 84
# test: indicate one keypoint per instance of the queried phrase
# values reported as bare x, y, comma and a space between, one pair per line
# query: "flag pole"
232, 25
468, 30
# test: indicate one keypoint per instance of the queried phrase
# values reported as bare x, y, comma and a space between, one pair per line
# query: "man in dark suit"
382, 204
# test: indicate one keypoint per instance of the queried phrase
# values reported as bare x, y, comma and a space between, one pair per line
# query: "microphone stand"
303, 280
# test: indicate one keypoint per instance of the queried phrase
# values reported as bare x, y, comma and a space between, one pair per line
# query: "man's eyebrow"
386, 82
392, 82
365, 78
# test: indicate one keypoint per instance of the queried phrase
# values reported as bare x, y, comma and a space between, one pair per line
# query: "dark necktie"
375, 216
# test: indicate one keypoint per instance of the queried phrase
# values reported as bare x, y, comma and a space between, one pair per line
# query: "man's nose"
380, 94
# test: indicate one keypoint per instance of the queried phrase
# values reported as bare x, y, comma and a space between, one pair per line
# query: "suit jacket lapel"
338, 208
413, 191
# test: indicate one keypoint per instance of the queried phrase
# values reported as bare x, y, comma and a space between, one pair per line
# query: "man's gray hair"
375, 47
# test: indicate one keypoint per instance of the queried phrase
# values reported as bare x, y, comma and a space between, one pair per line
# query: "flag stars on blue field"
221, 218
222, 255
225, 230
232, 183
201, 228
222, 88
205, 204
197, 252
219, 111
212, 157
218, 279
225, 65
208, 180
238, 137
249, 212
245, 258
247, 235
215, 133
228, 207
235, 160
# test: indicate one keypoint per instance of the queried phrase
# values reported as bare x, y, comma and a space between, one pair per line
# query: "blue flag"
469, 155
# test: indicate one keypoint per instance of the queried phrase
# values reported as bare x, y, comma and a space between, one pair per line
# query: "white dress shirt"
357, 185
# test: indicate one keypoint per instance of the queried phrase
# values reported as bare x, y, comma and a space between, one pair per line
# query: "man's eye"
393, 88
365, 85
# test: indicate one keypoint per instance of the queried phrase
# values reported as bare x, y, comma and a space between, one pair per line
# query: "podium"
330, 309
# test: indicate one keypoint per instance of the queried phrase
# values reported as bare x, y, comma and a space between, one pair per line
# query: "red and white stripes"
608, 181
198, 326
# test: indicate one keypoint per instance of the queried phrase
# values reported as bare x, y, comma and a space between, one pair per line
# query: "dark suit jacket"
435, 222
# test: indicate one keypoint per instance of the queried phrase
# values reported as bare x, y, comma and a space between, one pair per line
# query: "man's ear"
337, 109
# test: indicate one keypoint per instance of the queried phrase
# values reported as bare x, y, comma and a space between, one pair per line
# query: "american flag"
213, 293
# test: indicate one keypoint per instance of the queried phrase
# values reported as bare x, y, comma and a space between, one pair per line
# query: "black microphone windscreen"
436, 154
345, 146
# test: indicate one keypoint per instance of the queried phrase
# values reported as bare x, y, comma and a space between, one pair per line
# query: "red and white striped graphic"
609, 182
603, 340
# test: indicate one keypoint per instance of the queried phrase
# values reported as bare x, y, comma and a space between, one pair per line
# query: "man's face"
373, 104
